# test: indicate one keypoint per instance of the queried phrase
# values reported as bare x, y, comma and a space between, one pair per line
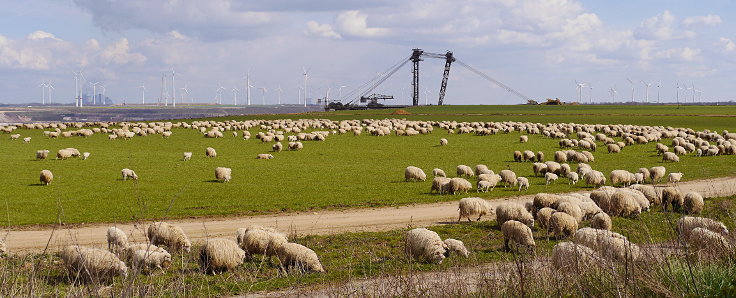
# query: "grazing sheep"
438, 173
150, 260
649, 192
638, 178
85, 155
672, 196
523, 183
669, 156
473, 206
645, 173
425, 245
116, 240
542, 200
543, 217
128, 173
264, 156
210, 152
573, 209
92, 264
218, 255
562, 225
482, 169
171, 236
26, 140
294, 255
277, 147
657, 173
709, 241
438, 184
456, 246
223, 174
259, 240
623, 203
443, 142
540, 156
528, 155
513, 211
464, 171
607, 244
459, 184
412, 173
492, 179
601, 221
127, 252
550, 177
518, 233
42, 154
46, 177
508, 177
523, 139
166, 134
573, 257
64, 154
539, 168
622, 177
595, 178
517, 155
573, 177
484, 186
686, 224
674, 178
613, 148
693, 203
187, 156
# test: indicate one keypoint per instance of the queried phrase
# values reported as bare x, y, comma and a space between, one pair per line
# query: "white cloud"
707, 20
119, 53
727, 45
35, 35
659, 27
682, 54
355, 23
322, 30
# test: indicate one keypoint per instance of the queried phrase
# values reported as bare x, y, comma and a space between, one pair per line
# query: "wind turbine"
700, 95
694, 92
248, 85
94, 92
678, 92
43, 92
590, 94
173, 86
688, 89
612, 91
102, 97
299, 98
339, 90
659, 85
279, 90
647, 89
78, 100
579, 89
263, 95
186, 90
632, 88
235, 95
219, 94
305, 73
143, 93
327, 95
426, 96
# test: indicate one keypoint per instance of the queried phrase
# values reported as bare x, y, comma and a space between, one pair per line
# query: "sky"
540, 48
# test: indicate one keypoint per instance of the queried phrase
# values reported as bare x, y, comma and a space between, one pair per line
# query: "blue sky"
538, 47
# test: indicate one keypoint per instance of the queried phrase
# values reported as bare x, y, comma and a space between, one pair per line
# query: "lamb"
456, 246
463, 170
298, 256
223, 174
686, 224
210, 152
513, 211
85, 155
484, 186
443, 142
149, 260
550, 177
518, 233
562, 224
657, 173
573, 177
473, 206
412, 173
26, 140
459, 184
574, 257
42, 154
438, 184
645, 173
523, 139
674, 178
601, 221
638, 178
669, 156
187, 156
127, 252
672, 196
92, 263
438, 173
693, 203
260, 240
171, 236
608, 244
46, 177
426, 245
264, 156
709, 241
218, 255
493, 179
523, 183
128, 173
508, 177
116, 240
543, 217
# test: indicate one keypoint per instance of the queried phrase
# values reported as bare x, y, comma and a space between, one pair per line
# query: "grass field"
344, 171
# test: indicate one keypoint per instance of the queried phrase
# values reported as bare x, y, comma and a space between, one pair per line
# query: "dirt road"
326, 222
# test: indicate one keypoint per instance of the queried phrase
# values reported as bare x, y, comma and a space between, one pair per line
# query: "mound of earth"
400, 112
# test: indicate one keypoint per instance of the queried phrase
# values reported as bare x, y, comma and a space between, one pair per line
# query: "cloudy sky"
538, 47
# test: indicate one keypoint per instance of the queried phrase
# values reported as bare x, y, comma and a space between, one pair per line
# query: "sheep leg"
479, 216
459, 218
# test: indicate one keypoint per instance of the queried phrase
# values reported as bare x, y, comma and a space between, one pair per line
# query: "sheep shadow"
213, 181
36, 184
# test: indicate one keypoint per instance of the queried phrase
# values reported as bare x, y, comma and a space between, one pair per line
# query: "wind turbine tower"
579, 89
279, 90
235, 95
143, 93
612, 91
305, 72
263, 95
647, 90
43, 92
632, 88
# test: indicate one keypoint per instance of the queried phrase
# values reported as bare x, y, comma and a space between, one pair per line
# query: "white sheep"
622, 177
523, 139
543, 216
523, 183
85, 155
657, 173
277, 147
573, 178
218, 255
601, 221
171, 236
693, 202
456, 246
26, 140
264, 156
412, 173
518, 233
293, 255
550, 177
709, 241
440, 184
259, 240
463, 170
425, 245
149, 260
457, 185
187, 156
573, 257
562, 225
508, 177
210, 152
473, 206
513, 211
595, 178
223, 174
92, 264
674, 178
484, 186
42, 154
607, 244
46, 177
669, 156
116, 240
438, 173
128, 173
686, 224
443, 142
